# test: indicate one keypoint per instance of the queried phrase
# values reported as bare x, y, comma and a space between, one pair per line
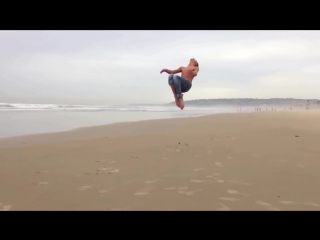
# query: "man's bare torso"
188, 73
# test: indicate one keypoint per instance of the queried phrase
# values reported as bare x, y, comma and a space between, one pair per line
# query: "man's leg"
176, 90
178, 93
185, 87
175, 97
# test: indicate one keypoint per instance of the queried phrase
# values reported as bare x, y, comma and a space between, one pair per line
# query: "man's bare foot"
181, 103
177, 103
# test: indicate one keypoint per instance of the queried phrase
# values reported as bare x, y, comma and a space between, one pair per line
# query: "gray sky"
120, 67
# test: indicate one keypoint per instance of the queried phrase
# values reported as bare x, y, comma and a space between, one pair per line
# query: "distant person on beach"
182, 84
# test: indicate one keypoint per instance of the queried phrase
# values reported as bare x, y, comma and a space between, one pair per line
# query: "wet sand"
250, 161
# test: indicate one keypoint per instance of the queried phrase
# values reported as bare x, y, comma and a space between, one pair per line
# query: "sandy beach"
237, 161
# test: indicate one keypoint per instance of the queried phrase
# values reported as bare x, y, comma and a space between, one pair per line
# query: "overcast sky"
120, 67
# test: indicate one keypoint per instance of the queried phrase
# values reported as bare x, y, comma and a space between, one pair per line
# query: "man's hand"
164, 70
179, 70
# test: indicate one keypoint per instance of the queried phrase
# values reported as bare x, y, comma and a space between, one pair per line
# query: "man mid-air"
182, 84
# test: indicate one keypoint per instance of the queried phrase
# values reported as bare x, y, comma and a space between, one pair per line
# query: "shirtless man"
182, 84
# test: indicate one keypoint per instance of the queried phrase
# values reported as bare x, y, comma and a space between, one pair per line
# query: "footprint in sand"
114, 171
199, 181
144, 191
5, 207
182, 189
267, 205
310, 204
223, 207
233, 192
152, 181
175, 188
219, 164
218, 180
237, 182
40, 183
230, 199
102, 192
104, 169
301, 203
100, 160
236, 192
117, 209
141, 193
288, 202
84, 188
190, 193
170, 149
198, 169
196, 181
171, 188
44, 171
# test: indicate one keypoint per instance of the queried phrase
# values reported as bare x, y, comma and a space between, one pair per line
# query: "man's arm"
179, 70
195, 71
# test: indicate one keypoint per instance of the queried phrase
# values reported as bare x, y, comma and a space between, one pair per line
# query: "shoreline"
111, 124
246, 110
143, 120
80, 133
146, 118
44, 136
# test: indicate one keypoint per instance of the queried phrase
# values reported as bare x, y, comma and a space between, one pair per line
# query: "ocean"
18, 119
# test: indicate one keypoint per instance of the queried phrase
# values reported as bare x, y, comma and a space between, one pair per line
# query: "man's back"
189, 72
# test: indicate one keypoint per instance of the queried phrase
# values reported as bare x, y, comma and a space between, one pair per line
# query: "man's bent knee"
170, 79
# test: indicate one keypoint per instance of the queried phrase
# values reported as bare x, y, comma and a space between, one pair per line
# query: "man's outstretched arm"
179, 70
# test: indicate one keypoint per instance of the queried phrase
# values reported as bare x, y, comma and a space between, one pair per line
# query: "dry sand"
251, 161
